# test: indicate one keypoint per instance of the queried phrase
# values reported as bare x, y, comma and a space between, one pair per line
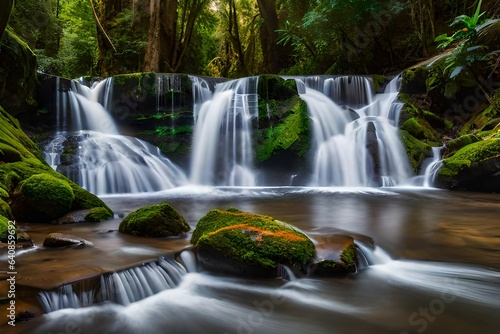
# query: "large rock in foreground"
156, 220
248, 244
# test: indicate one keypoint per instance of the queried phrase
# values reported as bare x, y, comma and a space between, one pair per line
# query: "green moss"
416, 150
98, 215
3, 194
5, 209
378, 81
157, 220
252, 240
468, 155
18, 76
4, 227
457, 143
45, 197
478, 121
292, 133
419, 128
86, 200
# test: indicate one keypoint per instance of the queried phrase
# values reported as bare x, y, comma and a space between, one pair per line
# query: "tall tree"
276, 56
172, 23
422, 13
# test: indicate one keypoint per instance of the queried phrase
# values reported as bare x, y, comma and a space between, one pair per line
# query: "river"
435, 266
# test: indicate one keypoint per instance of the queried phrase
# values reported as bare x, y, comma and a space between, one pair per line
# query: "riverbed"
435, 266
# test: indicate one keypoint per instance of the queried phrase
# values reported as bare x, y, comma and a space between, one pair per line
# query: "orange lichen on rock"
289, 236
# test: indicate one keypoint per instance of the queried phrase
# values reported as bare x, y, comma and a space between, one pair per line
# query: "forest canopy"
234, 38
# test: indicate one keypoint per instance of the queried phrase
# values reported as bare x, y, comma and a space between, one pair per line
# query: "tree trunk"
5, 9
275, 57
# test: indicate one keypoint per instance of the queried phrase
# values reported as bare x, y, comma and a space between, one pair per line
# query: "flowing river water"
435, 267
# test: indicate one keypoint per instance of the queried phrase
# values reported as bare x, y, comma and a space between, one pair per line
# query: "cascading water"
102, 160
222, 140
355, 132
432, 169
123, 287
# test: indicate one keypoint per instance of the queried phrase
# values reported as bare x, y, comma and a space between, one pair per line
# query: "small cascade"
166, 85
92, 153
123, 287
432, 169
222, 140
372, 255
355, 134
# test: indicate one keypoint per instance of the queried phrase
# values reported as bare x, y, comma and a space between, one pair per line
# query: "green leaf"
442, 37
456, 71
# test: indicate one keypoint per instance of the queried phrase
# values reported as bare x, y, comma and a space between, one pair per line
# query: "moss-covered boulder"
98, 215
248, 244
474, 167
156, 220
42, 197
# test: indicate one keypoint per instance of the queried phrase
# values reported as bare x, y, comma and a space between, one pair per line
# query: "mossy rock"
416, 150
9, 154
18, 76
419, 128
98, 215
5, 209
248, 244
156, 220
478, 121
473, 167
336, 258
290, 133
43, 197
456, 144
4, 227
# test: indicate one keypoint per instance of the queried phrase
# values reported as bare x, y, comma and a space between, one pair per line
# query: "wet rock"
336, 256
72, 217
250, 245
62, 240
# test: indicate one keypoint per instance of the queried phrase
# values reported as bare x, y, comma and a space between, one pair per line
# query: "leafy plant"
461, 64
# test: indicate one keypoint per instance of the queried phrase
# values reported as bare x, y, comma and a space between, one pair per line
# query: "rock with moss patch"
98, 215
474, 167
248, 244
336, 255
156, 220
42, 197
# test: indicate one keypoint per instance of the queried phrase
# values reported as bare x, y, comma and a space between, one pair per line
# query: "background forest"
234, 38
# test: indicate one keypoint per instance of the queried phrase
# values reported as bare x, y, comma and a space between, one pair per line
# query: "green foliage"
166, 131
460, 65
156, 220
98, 215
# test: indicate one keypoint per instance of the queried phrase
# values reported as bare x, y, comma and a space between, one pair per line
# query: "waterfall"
432, 169
222, 140
95, 155
123, 287
355, 135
